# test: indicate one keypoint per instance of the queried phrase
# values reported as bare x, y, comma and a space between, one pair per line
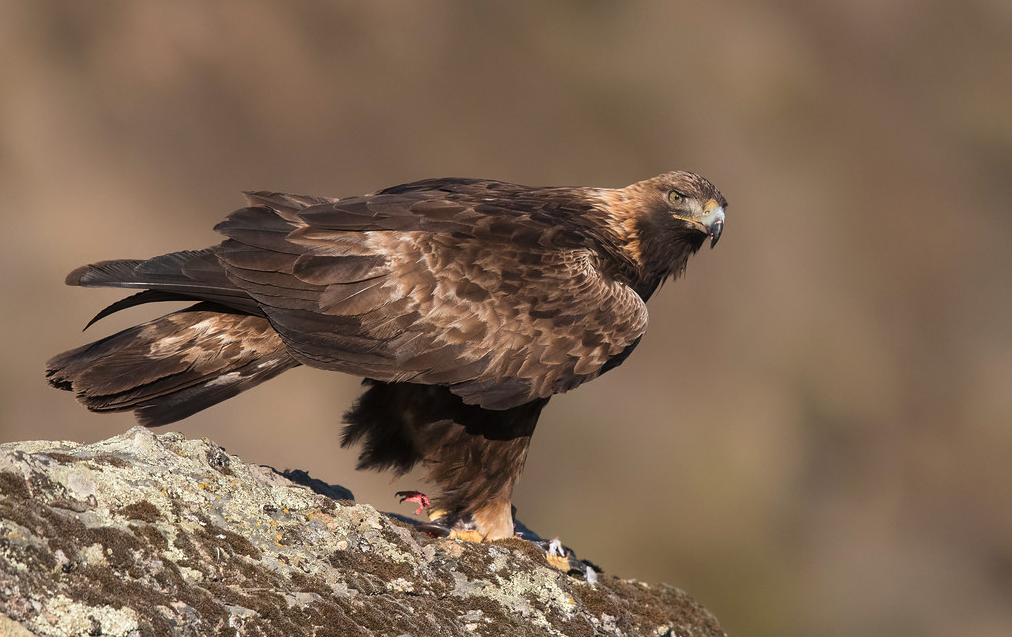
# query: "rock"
154, 535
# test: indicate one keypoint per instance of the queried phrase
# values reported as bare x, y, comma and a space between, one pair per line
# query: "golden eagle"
465, 304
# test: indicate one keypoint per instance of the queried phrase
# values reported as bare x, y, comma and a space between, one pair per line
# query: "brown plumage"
465, 304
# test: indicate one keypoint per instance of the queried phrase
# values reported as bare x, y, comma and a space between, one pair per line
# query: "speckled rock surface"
161, 535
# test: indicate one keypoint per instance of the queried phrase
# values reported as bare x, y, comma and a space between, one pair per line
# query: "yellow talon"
467, 536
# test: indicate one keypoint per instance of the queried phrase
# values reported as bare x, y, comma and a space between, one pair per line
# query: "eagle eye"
676, 197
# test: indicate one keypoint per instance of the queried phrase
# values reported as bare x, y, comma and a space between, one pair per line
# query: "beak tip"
713, 222
715, 232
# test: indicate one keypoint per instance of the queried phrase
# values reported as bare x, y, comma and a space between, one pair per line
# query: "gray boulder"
146, 534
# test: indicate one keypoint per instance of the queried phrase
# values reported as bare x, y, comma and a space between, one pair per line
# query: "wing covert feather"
496, 297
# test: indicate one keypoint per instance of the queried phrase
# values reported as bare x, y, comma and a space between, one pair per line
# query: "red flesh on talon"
415, 496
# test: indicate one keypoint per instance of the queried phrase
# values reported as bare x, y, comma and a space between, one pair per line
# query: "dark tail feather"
174, 366
179, 276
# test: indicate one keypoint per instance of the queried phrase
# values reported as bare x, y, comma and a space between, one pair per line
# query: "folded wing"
488, 288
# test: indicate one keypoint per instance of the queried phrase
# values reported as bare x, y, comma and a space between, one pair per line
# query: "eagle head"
684, 203
665, 220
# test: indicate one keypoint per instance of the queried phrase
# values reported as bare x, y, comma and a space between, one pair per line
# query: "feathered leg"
474, 455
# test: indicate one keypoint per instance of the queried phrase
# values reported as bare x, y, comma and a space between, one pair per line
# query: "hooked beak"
713, 221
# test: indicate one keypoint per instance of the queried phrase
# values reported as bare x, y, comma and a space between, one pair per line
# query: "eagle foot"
491, 522
468, 535
562, 558
449, 526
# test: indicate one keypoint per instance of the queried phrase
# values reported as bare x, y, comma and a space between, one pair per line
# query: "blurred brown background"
814, 437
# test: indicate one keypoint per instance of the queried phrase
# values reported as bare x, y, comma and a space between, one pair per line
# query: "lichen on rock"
146, 534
